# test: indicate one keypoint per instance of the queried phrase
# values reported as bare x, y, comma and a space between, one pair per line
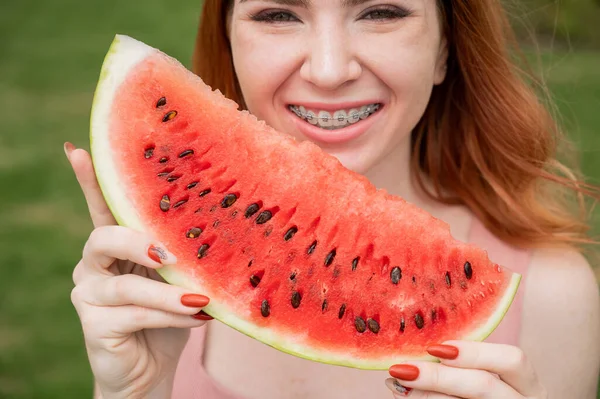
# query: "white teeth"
340, 118
365, 111
325, 119
353, 115
311, 117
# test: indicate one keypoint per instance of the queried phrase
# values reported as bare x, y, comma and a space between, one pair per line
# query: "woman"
449, 125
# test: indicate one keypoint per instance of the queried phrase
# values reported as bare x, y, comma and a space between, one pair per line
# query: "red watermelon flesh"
293, 249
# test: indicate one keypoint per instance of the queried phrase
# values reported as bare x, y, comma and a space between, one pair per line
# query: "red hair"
486, 139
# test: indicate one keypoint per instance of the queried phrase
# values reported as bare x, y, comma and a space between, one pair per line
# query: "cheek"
407, 68
262, 66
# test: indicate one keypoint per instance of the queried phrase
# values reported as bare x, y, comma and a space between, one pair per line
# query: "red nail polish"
202, 316
156, 254
404, 372
443, 351
68, 147
194, 300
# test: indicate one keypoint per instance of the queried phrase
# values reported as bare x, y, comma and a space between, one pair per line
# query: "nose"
330, 60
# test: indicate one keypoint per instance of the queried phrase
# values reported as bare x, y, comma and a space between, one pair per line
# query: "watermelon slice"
293, 249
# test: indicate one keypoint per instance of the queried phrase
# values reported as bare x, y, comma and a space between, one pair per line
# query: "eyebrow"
307, 3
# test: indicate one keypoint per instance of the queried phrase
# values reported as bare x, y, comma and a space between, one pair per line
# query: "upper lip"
321, 106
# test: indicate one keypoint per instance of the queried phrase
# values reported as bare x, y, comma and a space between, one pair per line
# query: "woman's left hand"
468, 370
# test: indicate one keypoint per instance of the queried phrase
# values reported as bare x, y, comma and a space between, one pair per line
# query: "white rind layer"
124, 54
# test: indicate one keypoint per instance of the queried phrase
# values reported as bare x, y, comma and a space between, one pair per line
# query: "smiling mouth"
335, 120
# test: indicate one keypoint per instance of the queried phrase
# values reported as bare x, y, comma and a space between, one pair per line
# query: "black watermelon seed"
163, 160
296, 298
414, 279
373, 326
342, 311
216, 223
468, 270
290, 233
324, 305
179, 203
448, 282
360, 324
163, 174
312, 247
186, 153
169, 116
202, 250
161, 102
293, 276
149, 153
254, 280
204, 192
251, 210
265, 309
165, 203
194, 232
355, 263
192, 185
396, 275
264, 217
402, 324
330, 257
228, 200
172, 178
419, 321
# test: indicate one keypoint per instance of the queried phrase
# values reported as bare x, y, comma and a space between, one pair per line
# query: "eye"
274, 16
385, 13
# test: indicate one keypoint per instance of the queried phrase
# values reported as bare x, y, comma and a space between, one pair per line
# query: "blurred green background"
50, 55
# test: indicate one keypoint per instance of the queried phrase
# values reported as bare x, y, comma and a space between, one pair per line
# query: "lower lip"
347, 133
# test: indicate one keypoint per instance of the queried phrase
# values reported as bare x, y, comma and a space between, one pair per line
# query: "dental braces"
354, 116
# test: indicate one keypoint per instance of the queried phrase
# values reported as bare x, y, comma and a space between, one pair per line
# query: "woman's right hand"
135, 325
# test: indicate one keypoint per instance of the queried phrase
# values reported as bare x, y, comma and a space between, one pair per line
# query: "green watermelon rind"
124, 53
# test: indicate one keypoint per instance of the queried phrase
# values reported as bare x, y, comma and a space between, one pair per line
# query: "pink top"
192, 381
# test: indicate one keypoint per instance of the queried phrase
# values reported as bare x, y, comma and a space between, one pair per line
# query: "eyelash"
389, 13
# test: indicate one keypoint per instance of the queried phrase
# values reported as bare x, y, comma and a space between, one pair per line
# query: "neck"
394, 174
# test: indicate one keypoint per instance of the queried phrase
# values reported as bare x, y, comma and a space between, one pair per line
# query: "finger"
82, 165
108, 243
464, 383
507, 361
110, 323
131, 289
400, 391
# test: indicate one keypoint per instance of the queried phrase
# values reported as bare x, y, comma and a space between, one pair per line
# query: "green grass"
51, 55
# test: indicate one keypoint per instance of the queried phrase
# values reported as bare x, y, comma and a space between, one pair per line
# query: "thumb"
82, 165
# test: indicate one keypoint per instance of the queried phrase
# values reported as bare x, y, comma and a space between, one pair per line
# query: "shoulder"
562, 280
561, 321
561, 306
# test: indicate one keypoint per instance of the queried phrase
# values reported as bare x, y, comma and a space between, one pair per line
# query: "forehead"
312, 3
309, 3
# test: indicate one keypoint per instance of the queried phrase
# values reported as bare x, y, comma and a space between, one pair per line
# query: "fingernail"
399, 390
443, 351
160, 255
202, 316
404, 372
194, 300
68, 149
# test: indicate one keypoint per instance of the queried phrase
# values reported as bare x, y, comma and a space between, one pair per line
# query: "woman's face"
353, 76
